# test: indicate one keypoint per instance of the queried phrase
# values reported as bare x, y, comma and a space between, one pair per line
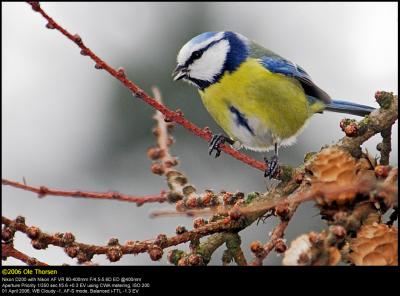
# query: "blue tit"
260, 99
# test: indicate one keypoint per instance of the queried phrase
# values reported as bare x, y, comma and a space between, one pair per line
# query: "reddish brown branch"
276, 236
43, 191
7, 250
138, 92
266, 204
114, 251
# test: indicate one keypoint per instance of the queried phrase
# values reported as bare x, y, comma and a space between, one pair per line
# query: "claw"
215, 142
272, 166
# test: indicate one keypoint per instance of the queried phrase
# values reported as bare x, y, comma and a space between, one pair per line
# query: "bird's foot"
216, 141
272, 166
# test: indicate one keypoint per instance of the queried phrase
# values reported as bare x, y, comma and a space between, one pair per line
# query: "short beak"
179, 72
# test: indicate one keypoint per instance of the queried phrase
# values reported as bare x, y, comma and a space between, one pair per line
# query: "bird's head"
204, 59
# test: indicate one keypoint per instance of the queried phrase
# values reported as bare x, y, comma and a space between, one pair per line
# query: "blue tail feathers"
349, 108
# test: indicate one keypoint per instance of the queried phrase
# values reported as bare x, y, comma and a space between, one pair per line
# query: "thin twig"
164, 139
42, 191
7, 250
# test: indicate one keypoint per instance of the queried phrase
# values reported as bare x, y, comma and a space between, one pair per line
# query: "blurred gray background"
66, 125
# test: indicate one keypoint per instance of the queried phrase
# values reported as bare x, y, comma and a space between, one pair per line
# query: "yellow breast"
274, 105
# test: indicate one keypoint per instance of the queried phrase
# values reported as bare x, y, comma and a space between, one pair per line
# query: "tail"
349, 108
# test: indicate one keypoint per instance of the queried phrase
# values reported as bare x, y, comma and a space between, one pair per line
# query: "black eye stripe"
198, 53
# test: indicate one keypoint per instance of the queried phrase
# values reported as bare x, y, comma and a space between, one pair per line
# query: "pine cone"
334, 166
375, 244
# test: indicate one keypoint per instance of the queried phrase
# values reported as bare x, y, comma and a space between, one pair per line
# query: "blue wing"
277, 64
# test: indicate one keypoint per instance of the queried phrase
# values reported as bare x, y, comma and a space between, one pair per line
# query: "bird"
260, 99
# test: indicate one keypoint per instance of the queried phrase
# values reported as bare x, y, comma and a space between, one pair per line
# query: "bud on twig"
338, 231
155, 153
68, 238
161, 240
280, 246
282, 210
113, 242
20, 220
72, 251
77, 39
349, 126
50, 26
180, 229
157, 168
195, 260
155, 253
191, 202
198, 222
121, 72
351, 130
114, 253
256, 247
180, 206
7, 234
382, 171
33, 232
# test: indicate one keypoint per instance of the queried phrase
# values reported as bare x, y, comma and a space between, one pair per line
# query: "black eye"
197, 54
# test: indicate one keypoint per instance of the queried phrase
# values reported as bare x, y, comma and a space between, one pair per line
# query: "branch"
234, 250
325, 246
213, 242
261, 252
42, 191
371, 198
386, 146
113, 250
276, 198
201, 255
141, 94
7, 250
286, 208
161, 153
379, 121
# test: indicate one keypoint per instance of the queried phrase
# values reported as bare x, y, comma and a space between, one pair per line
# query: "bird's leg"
272, 165
216, 141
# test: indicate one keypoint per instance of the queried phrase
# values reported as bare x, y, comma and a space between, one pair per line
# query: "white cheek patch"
211, 62
187, 50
